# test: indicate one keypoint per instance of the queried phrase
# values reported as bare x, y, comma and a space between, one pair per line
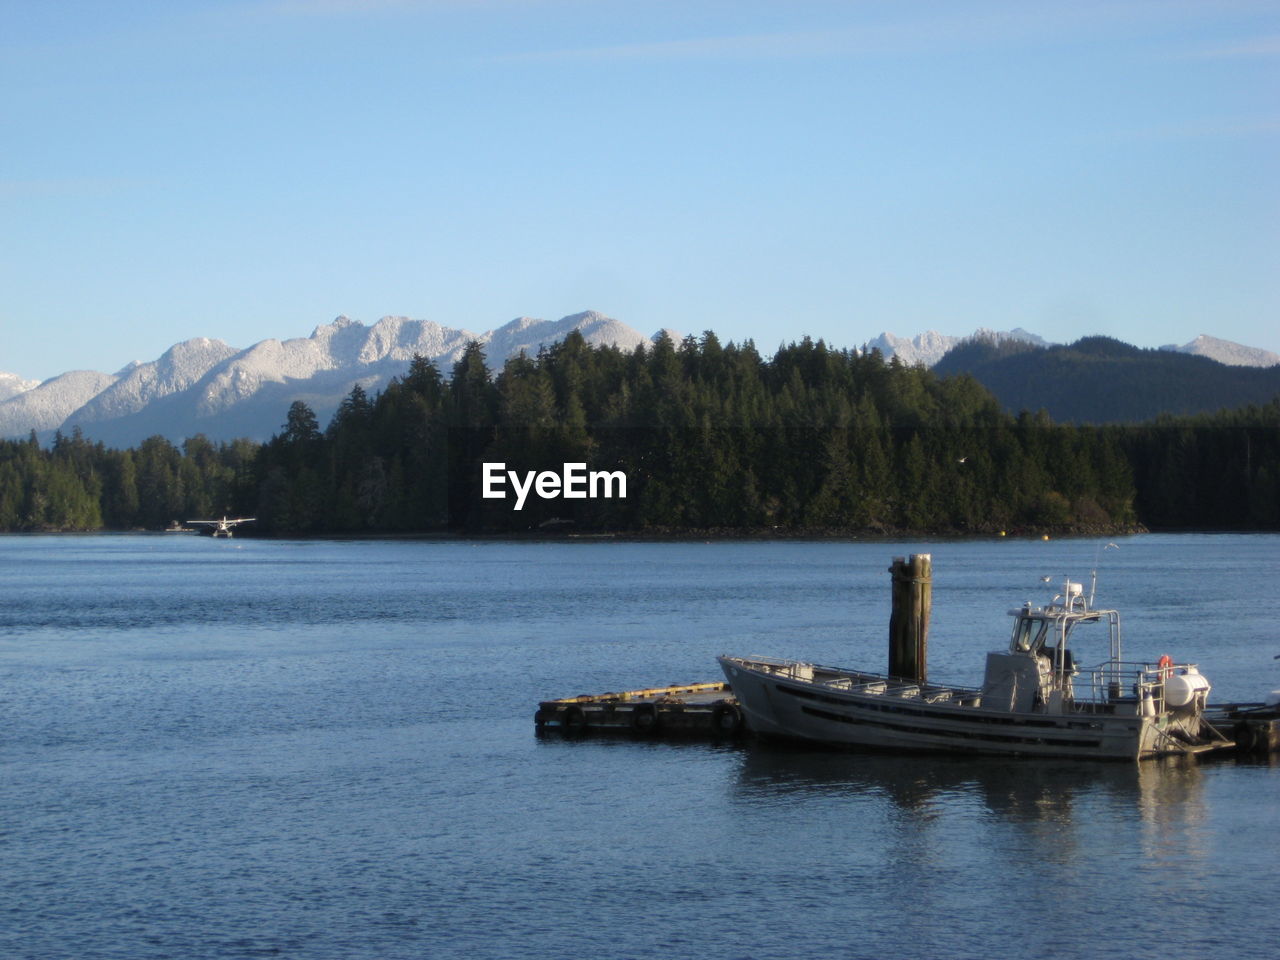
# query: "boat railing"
1125, 681
851, 681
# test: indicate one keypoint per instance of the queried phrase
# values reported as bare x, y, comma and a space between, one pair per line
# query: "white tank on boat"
1181, 689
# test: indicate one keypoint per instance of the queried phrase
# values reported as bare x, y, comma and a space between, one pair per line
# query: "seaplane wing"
224, 526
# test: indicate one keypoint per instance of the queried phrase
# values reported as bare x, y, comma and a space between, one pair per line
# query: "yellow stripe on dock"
648, 693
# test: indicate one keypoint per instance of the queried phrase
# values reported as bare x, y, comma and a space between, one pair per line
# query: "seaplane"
223, 527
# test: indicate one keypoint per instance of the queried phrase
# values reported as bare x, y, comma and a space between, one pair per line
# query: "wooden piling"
912, 586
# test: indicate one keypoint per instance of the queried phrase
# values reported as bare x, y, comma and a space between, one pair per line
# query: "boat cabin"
1036, 673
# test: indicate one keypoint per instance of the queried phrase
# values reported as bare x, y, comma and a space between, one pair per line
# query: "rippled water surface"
225, 749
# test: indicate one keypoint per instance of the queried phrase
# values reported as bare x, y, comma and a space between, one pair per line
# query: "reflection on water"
1066, 841
1163, 800
1020, 790
1172, 806
1058, 811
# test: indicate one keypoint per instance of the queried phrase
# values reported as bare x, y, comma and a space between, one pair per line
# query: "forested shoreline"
710, 437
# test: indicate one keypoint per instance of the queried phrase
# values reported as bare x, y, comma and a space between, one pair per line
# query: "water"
233, 749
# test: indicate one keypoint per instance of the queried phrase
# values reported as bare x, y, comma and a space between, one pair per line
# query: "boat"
1034, 701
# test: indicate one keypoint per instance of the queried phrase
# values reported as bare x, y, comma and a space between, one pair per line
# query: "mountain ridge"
207, 386
203, 385
47, 405
11, 385
1225, 351
1101, 380
927, 348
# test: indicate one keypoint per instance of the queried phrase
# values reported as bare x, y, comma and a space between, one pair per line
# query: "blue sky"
245, 170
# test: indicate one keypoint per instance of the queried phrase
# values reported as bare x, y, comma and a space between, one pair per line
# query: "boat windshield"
1028, 634
1035, 630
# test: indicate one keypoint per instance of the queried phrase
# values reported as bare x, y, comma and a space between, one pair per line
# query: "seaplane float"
1034, 700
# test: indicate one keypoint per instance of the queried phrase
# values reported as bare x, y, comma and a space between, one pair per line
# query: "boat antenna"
1093, 574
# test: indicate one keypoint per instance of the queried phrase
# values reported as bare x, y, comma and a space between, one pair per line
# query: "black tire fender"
1245, 736
726, 720
573, 720
644, 718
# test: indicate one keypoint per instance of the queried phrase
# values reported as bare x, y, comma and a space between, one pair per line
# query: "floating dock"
707, 710
1255, 727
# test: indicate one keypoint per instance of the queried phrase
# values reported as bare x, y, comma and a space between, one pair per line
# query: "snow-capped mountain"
531, 335
339, 354
205, 386
1224, 351
926, 349
140, 383
11, 385
47, 406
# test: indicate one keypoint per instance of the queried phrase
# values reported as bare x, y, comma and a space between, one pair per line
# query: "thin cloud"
977, 26
328, 8
886, 39
754, 46
1211, 128
1257, 47
61, 186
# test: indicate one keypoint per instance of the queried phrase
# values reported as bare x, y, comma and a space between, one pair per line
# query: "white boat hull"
775, 705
